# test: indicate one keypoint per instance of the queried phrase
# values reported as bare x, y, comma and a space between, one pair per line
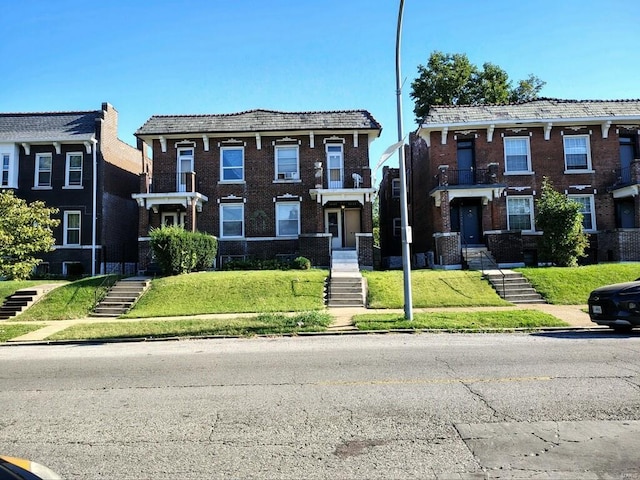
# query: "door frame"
336, 240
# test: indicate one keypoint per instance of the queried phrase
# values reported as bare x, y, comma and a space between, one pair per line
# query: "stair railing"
103, 288
495, 264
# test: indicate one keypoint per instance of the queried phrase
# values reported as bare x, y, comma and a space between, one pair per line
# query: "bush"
301, 263
179, 251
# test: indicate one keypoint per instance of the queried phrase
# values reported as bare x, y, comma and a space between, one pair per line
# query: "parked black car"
616, 306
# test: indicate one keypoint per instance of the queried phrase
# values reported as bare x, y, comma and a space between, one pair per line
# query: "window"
71, 228
395, 188
185, 166
397, 227
588, 219
334, 164
43, 170
576, 153
520, 213
517, 157
231, 220
73, 175
287, 163
6, 164
287, 219
170, 219
232, 164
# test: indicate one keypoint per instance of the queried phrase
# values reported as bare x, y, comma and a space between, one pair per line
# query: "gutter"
94, 215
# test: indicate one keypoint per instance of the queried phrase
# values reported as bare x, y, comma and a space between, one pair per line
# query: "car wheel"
621, 328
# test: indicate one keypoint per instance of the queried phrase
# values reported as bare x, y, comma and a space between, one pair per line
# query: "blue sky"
222, 56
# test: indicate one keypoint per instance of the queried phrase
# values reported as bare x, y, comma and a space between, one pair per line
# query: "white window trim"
278, 234
179, 218
589, 168
397, 227
394, 182
179, 172
222, 168
222, 206
342, 179
67, 170
593, 210
531, 211
36, 185
296, 176
65, 229
528, 171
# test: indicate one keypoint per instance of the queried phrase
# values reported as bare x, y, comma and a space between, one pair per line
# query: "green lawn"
233, 292
8, 287
459, 321
571, 286
8, 332
263, 324
431, 288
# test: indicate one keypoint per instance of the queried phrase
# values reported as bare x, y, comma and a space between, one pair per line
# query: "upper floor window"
520, 213
185, 166
287, 219
6, 169
232, 164
231, 220
335, 166
71, 228
397, 227
73, 171
577, 154
587, 210
287, 167
395, 188
43, 170
517, 155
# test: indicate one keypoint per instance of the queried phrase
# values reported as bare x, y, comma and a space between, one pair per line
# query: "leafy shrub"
179, 251
301, 263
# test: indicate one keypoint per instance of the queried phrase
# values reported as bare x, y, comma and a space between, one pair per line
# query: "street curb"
304, 334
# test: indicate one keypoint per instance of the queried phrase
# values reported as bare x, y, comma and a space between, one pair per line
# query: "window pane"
232, 158
75, 161
587, 219
44, 163
287, 159
288, 219
519, 211
516, 153
575, 149
232, 221
73, 220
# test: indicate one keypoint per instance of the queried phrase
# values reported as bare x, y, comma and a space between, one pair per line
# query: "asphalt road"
554, 405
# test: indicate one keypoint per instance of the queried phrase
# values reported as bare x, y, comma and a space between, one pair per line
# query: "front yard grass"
571, 286
431, 288
8, 332
263, 324
508, 319
233, 292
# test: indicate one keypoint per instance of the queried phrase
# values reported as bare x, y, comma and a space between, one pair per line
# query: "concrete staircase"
22, 299
479, 258
345, 286
515, 288
121, 297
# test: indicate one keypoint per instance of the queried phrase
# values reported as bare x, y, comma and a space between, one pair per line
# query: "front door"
351, 226
333, 225
466, 219
625, 214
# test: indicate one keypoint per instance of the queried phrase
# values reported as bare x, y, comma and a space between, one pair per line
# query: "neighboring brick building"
267, 184
477, 171
53, 157
390, 225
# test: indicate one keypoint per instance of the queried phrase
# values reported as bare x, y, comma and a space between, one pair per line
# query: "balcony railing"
474, 176
170, 182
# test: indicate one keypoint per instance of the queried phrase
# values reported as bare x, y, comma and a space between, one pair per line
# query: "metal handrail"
101, 290
482, 255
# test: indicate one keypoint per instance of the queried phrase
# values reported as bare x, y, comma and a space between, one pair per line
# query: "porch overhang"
486, 193
151, 201
627, 191
326, 195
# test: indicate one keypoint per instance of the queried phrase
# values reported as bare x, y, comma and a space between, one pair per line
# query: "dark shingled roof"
259, 121
52, 126
542, 109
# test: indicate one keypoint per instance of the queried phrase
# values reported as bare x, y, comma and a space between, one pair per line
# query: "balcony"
342, 186
482, 183
169, 189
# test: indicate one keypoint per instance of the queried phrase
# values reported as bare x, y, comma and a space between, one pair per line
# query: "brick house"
75, 162
476, 173
267, 184
390, 225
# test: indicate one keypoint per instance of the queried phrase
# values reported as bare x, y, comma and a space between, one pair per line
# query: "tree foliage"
26, 230
451, 79
563, 240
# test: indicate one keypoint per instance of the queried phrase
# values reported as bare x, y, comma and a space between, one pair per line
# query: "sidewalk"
574, 315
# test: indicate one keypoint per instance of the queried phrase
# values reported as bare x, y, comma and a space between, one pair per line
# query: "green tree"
26, 230
563, 240
451, 79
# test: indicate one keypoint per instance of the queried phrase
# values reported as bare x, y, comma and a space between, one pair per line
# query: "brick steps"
345, 287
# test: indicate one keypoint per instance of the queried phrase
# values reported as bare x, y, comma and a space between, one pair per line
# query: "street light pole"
404, 210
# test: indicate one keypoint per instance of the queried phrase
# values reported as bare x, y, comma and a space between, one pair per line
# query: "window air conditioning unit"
290, 175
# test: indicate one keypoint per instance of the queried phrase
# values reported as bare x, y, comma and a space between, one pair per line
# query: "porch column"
445, 211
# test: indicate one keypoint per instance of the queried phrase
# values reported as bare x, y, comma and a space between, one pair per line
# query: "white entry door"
333, 225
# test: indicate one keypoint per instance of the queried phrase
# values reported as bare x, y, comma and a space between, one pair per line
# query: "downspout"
94, 214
